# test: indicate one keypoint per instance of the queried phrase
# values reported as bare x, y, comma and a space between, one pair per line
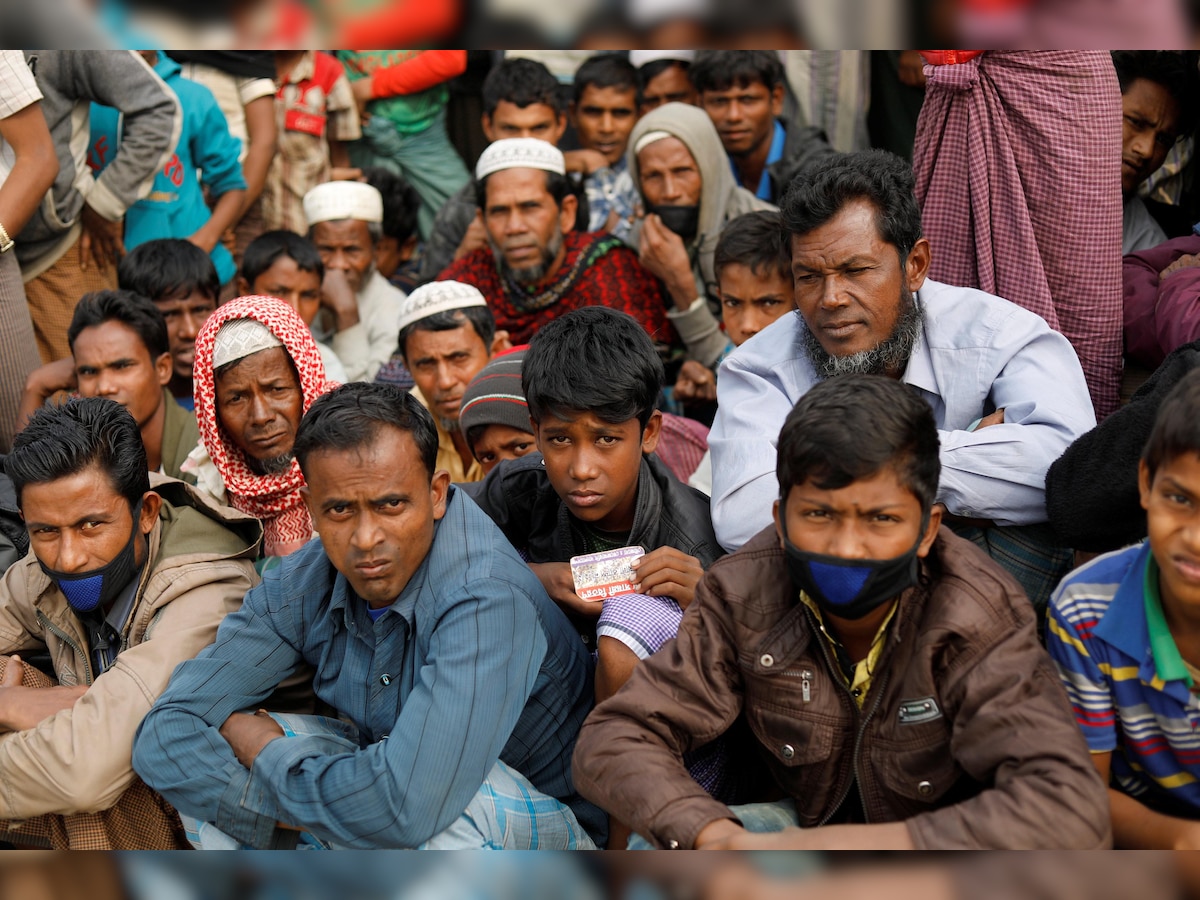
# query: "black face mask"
87, 591
852, 588
683, 220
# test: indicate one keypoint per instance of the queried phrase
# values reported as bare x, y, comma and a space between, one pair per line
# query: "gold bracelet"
6, 243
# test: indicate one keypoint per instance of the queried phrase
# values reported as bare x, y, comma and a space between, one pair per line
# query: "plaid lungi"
139, 820
1018, 169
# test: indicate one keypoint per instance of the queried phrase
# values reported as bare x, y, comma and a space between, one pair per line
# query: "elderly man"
257, 371
128, 578
1007, 392
535, 266
345, 223
460, 685
447, 334
689, 193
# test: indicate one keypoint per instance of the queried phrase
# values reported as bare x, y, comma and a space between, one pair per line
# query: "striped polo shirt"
1126, 680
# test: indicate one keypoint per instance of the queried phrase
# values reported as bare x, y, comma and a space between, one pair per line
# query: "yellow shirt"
860, 684
447, 454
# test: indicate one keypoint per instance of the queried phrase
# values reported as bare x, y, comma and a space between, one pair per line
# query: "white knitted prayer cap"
519, 153
436, 297
239, 338
335, 200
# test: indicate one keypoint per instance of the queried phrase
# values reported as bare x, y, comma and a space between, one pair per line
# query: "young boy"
493, 416
889, 671
753, 263
284, 265
1125, 632
591, 379
182, 281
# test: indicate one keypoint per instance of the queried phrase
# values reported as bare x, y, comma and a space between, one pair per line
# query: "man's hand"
560, 585
717, 835
101, 239
362, 96
248, 733
1187, 261
22, 708
911, 68
696, 382
996, 418
475, 237
667, 572
662, 252
584, 161
338, 297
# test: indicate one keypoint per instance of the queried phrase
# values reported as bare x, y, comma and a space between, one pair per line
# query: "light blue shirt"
774, 155
976, 353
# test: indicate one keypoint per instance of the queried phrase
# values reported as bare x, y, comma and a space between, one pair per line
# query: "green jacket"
181, 434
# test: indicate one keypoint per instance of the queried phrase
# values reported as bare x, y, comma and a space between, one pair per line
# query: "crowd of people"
404, 449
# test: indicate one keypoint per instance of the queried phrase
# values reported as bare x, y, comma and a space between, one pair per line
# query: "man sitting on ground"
128, 577
890, 672
1008, 393
535, 266
459, 684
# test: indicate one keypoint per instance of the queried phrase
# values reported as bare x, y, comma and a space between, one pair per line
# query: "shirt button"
787, 751
857, 692
766, 660
924, 788
385, 680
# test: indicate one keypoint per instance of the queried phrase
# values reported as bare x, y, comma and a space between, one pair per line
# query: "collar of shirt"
104, 635
774, 155
864, 669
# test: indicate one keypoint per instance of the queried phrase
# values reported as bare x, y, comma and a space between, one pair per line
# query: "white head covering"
640, 57
335, 200
649, 138
436, 297
519, 153
239, 338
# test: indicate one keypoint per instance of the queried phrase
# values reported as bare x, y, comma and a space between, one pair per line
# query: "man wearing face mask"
889, 671
688, 193
125, 581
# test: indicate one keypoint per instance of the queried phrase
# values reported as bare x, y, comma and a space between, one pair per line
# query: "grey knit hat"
494, 396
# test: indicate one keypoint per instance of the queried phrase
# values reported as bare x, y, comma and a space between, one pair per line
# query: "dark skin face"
496, 443
603, 119
374, 508
1150, 127
593, 465
744, 116
537, 120
669, 174
443, 363
345, 245
750, 300
1171, 499
111, 361
671, 85
185, 317
298, 288
523, 220
259, 404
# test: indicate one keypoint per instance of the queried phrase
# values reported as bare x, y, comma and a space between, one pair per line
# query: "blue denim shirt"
472, 662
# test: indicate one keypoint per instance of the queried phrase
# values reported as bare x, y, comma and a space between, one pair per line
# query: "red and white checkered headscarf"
274, 499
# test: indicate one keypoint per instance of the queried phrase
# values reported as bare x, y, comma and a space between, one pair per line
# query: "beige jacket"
78, 760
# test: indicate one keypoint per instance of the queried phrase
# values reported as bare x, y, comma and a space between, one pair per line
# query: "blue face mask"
852, 588
86, 591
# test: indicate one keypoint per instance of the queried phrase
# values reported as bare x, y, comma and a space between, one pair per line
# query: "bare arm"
260, 150
36, 166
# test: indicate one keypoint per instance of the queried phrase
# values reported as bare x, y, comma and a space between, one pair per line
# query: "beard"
528, 274
888, 357
274, 465
450, 426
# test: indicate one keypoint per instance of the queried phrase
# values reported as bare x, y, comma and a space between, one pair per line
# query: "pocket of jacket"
792, 739
919, 766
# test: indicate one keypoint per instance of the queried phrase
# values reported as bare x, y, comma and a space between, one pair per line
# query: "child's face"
1172, 503
593, 465
298, 289
496, 443
872, 518
750, 302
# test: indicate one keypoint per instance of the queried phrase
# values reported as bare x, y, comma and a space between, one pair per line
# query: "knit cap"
494, 396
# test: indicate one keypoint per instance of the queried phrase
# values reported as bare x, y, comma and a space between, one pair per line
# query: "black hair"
758, 241
168, 269
130, 309
350, 416
883, 179
522, 82
1174, 70
651, 70
479, 317
851, 427
594, 359
1176, 430
557, 186
264, 250
400, 202
61, 441
606, 70
722, 70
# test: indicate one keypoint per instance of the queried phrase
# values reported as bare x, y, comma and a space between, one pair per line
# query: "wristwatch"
6, 243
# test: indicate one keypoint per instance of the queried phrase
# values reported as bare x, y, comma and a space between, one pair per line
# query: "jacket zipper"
70, 641
805, 676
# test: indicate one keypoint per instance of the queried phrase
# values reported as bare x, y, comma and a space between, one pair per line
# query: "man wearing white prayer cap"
535, 266
345, 222
447, 334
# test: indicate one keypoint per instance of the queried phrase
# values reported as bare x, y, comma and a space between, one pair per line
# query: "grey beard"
530, 274
450, 426
275, 465
889, 357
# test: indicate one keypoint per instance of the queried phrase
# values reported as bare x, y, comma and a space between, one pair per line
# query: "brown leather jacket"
965, 732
